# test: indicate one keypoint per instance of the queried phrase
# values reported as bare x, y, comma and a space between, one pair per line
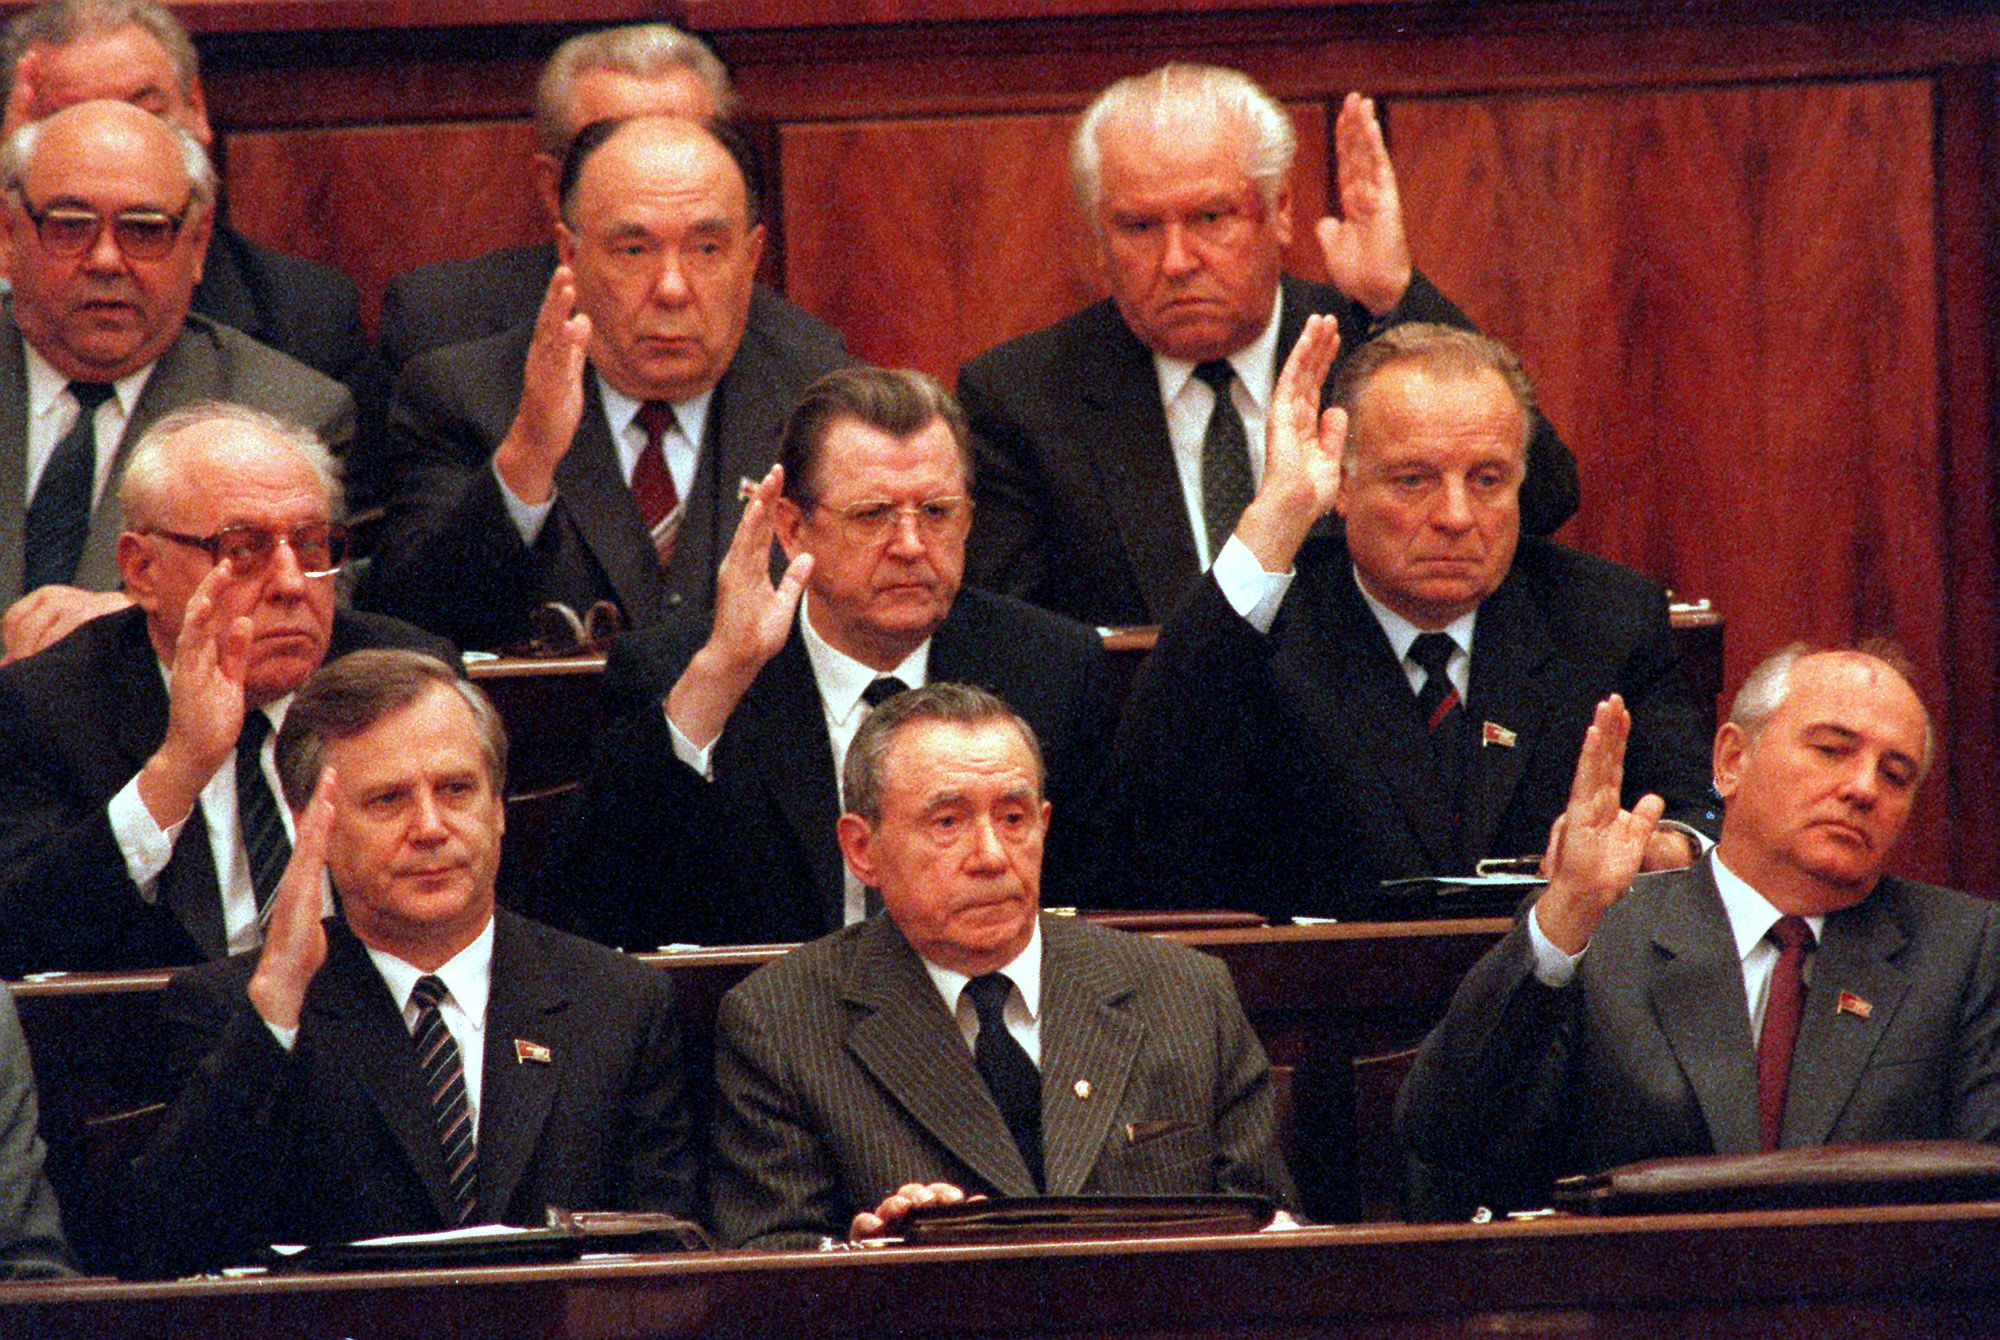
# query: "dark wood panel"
1728, 298
929, 240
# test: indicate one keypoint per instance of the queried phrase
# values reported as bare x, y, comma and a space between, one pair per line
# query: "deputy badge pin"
526, 1051
1850, 1003
1493, 733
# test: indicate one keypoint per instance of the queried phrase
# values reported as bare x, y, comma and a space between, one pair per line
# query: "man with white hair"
1111, 469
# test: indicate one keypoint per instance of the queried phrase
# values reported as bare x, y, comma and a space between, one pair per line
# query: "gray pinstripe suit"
840, 1077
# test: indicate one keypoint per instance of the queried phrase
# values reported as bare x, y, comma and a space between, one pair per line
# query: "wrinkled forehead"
930, 761
107, 149
238, 476
662, 159
1858, 694
1423, 408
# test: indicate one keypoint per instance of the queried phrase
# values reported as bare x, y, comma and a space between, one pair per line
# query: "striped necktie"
451, 1110
264, 839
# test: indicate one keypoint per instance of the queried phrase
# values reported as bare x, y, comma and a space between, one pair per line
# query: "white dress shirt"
468, 979
1189, 401
1023, 1010
52, 412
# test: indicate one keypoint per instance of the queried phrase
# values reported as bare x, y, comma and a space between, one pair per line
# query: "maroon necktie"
1782, 1008
652, 483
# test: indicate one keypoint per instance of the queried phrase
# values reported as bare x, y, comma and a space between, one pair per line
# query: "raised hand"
551, 394
1302, 449
20, 108
899, 1203
205, 701
1366, 249
294, 936
753, 617
1595, 847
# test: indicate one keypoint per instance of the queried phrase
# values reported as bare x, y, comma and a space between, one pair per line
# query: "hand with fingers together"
894, 1207
205, 696
294, 933
753, 618
1302, 450
1367, 250
1595, 845
551, 394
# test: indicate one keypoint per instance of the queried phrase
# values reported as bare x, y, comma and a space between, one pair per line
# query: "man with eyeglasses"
107, 211
138, 824
711, 810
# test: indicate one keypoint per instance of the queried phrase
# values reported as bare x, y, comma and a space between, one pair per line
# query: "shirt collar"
45, 384
1024, 970
620, 409
1751, 914
468, 975
842, 679
1256, 365
1402, 632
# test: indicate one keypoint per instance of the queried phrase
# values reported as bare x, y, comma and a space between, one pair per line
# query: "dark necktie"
880, 690
1226, 487
1442, 714
58, 521
652, 483
1783, 1007
1004, 1065
264, 837
444, 1080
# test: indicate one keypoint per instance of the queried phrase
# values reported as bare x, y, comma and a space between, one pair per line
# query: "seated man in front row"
428, 1062
1784, 992
962, 1043
1324, 713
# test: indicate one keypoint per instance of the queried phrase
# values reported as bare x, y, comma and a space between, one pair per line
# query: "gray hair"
1445, 351
57, 23
1765, 688
17, 156
897, 401
641, 50
1171, 96
150, 473
346, 696
865, 776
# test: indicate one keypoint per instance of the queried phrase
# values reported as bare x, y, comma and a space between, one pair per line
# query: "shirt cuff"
528, 518
145, 846
688, 752
1252, 592
1553, 967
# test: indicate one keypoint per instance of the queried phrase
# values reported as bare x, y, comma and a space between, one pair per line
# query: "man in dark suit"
1782, 993
1324, 714
709, 817
98, 342
598, 453
124, 837
1110, 472
962, 1043
31, 1233
642, 69
426, 1063
68, 51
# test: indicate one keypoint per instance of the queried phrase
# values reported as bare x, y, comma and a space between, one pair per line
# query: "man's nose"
1861, 785
427, 820
283, 576
1454, 507
988, 851
1177, 255
907, 539
671, 287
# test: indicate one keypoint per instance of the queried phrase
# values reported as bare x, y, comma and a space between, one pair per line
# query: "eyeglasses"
72, 230
875, 520
557, 630
320, 548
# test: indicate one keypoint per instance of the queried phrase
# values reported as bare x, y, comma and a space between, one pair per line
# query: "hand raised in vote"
899, 1203
551, 394
294, 936
1302, 450
1367, 250
205, 695
1595, 846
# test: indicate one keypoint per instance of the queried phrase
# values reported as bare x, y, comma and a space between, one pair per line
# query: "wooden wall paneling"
929, 240
1729, 299
378, 200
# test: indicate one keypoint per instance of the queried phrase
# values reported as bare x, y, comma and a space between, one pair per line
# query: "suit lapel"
599, 505
1086, 1037
1122, 431
524, 1003
1834, 1045
784, 725
1510, 646
739, 442
13, 454
350, 1014
906, 1041
1697, 999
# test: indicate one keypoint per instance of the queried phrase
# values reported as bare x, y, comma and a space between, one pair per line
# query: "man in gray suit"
1783, 992
961, 1043
108, 211
599, 451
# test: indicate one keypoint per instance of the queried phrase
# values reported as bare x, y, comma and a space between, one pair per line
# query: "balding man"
599, 451
1111, 468
137, 823
108, 211
1784, 992
63, 52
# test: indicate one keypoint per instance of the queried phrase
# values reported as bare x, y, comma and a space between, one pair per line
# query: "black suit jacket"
1647, 1052
451, 559
333, 1140
76, 724
1290, 774
840, 1076
652, 854
1080, 507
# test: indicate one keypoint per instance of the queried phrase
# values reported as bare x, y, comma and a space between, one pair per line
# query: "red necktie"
652, 483
1782, 1008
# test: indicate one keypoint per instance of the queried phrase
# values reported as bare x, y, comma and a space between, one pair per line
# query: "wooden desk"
1849, 1273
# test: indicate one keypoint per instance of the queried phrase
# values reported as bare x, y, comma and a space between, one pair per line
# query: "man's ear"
1281, 213
548, 177
856, 839
1732, 747
136, 555
197, 106
788, 521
